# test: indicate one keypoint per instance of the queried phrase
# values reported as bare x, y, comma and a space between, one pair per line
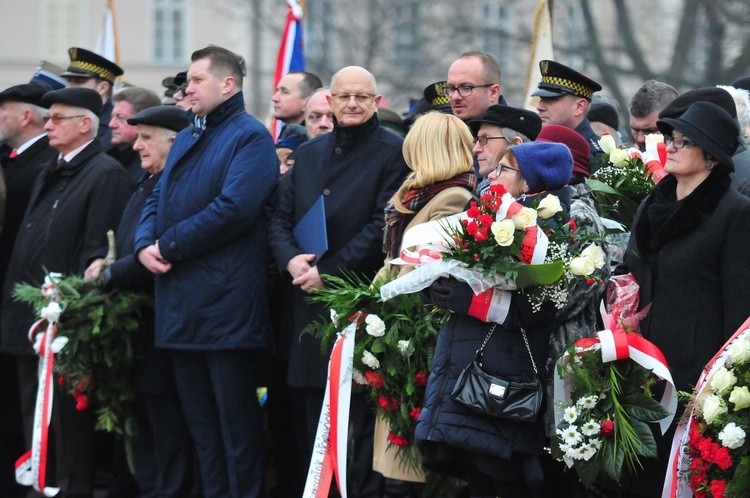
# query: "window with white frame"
170, 25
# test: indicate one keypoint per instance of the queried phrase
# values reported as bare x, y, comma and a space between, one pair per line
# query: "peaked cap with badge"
558, 80
87, 64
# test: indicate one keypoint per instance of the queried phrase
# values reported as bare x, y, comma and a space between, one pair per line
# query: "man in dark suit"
356, 169
78, 196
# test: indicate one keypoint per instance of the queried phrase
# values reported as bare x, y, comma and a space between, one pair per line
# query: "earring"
710, 165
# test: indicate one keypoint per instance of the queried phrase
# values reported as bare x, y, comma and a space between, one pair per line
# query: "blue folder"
310, 233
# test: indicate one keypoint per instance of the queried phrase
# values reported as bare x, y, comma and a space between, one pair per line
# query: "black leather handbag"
495, 397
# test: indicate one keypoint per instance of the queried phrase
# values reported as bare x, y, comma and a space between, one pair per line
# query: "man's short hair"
491, 66
742, 103
223, 61
510, 134
652, 97
138, 97
308, 84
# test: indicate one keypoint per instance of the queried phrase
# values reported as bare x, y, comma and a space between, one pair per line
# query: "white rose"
358, 377
526, 217
369, 359
654, 138
732, 436
740, 397
607, 143
722, 380
619, 157
712, 407
739, 351
504, 232
375, 326
595, 253
548, 207
582, 266
405, 348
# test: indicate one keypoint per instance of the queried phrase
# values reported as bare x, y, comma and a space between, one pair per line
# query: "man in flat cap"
90, 70
500, 127
564, 99
162, 452
79, 195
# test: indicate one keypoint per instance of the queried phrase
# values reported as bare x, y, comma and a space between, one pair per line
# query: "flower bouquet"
603, 395
710, 446
100, 350
627, 177
499, 243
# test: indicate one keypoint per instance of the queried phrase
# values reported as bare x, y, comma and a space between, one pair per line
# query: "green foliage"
102, 347
620, 190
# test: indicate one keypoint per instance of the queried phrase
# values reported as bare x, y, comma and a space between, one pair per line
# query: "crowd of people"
204, 202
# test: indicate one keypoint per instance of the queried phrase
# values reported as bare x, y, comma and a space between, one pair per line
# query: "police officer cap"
87, 64
558, 80
717, 96
435, 95
523, 121
28, 93
164, 116
49, 74
75, 96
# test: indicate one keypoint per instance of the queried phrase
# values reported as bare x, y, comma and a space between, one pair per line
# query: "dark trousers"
217, 392
72, 433
11, 429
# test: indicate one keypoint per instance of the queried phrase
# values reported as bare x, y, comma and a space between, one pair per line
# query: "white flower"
582, 266
595, 253
732, 436
607, 143
358, 377
405, 348
525, 217
740, 397
712, 407
654, 138
590, 428
587, 452
504, 232
548, 207
375, 326
722, 380
619, 157
334, 318
595, 442
739, 351
570, 415
587, 402
51, 312
568, 461
369, 359
570, 435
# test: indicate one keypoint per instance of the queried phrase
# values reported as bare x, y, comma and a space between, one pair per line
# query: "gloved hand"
440, 291
105, 280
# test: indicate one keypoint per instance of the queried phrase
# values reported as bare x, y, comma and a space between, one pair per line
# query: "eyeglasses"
56, 119
361, 98
502, 167
677, 143
317, 118
482, 140
463, 90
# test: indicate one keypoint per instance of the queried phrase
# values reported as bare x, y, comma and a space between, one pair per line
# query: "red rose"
472, 228
608, 429
374, 379
414, 413
717, 489
398, 440
573, 225
420, 380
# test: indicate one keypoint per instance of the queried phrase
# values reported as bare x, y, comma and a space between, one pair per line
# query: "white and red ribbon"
330, 449
616, 344
678, 458
31, 468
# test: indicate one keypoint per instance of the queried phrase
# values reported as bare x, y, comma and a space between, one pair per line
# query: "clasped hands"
304, 275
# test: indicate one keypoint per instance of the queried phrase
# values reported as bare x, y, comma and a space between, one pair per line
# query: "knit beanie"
545, 165
578, 146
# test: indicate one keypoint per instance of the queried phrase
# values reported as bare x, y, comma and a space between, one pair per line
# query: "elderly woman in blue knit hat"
495, 457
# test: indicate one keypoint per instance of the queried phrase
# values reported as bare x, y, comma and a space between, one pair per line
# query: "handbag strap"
480, 351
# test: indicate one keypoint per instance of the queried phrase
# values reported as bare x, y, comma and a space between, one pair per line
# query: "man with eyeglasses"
644, 109
79, 196
129, 102
356, 169
473, 85
500, 127
90, 70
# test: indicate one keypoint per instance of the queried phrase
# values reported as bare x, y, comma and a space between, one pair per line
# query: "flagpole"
541, 48
118, 61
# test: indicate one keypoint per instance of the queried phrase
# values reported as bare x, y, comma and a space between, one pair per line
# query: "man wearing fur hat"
79, 195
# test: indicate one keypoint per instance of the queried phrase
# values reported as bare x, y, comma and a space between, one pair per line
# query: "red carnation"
414, 413
389, 405
608, 429
420, 380
722, 458
717, 489
61, 379
498, 189
477, 257
486, 219
472, 228
473, 211
398, 440
573, 225
82, 401
485, 197
383, 402
482, 234
374, 379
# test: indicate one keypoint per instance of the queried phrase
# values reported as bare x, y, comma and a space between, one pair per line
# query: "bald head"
354, 98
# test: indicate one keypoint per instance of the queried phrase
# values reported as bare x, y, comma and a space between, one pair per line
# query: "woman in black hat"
689, 253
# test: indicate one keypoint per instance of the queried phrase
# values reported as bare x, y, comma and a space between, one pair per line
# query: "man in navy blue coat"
203, 235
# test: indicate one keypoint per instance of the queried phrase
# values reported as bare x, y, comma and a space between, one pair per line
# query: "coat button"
29, 225
173, 245
337, 150
326, 192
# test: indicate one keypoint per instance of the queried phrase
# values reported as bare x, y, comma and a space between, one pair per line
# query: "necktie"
61, 163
